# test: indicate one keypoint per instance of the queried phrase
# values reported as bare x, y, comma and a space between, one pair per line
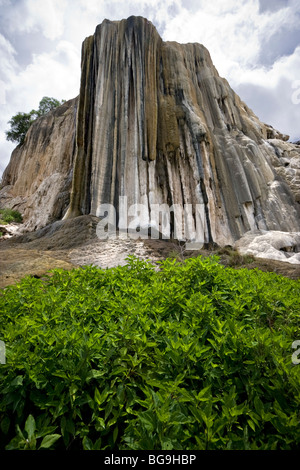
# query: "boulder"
274, 245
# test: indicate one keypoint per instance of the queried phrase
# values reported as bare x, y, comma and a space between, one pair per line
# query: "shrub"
238, 259
233, 257
189, 356
8, 216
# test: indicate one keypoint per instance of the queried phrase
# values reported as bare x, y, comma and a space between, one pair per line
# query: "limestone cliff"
38, 179
156, 123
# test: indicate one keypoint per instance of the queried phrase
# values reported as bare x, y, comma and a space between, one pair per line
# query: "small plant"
8, 216
179, 253
225, 250
234, 258
31, 438
237, 259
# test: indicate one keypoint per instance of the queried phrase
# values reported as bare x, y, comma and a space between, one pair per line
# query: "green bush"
189, 356
7, 216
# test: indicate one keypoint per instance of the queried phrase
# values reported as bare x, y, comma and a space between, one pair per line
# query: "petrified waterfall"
157, 124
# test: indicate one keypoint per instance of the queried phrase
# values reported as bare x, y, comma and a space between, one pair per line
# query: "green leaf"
148, 419
115, 433
97, 445
167, 444
19, 432
5, 423
101, 397
259, 407
87, 444
94, 374
251, 424
30, 427
18, 381
197, 414
100, 424
108, 409
49, 440
204, 394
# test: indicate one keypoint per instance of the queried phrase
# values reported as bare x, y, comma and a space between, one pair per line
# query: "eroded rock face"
286, 162
156, 123
38, 179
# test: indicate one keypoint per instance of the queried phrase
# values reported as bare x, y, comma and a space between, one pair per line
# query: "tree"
20, 123
47, 104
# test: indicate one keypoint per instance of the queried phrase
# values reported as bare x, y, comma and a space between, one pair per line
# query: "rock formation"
155, 123
275, 245
38, 178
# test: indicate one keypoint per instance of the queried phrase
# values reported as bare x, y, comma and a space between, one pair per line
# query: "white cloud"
7, 57
50, 16
235, 33
52, 73
287, 67
46, 16
55, 74
270, 92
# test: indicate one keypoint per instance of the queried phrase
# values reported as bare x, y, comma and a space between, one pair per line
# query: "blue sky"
254, 44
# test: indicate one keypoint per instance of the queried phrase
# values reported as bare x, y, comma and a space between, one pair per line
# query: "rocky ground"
72, 243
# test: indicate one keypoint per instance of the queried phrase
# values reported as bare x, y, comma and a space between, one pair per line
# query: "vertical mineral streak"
117, 116
80, 184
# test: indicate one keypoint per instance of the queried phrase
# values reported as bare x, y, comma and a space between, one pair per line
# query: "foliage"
8, 216
237, 259
47, 104
21, 122
19, 125
189, 356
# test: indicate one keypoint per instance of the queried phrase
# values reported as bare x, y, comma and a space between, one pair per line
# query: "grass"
235, 258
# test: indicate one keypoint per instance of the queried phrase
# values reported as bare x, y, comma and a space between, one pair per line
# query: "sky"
254, 44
